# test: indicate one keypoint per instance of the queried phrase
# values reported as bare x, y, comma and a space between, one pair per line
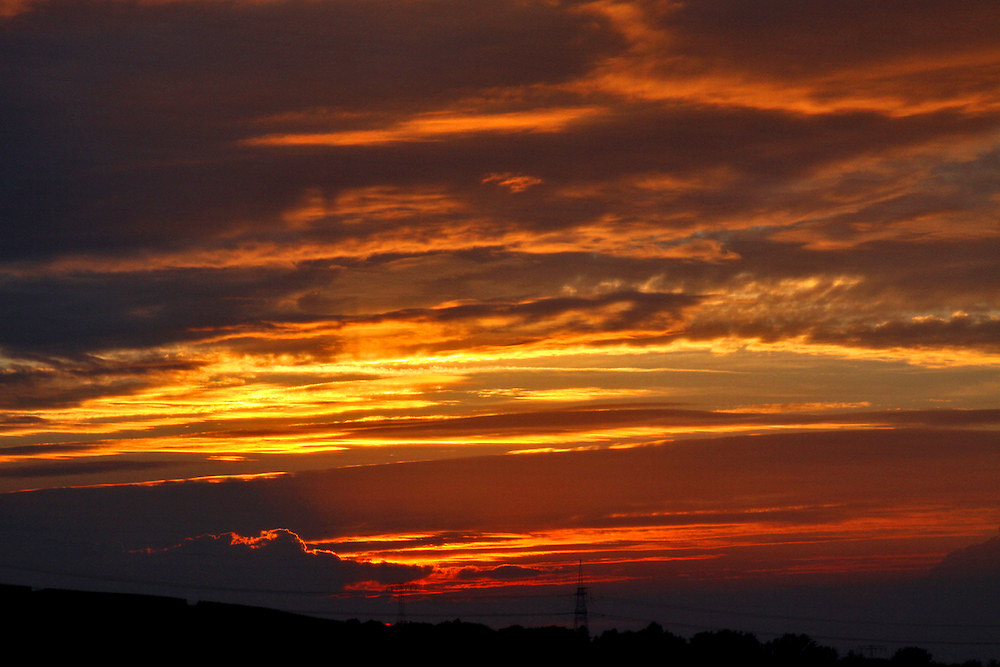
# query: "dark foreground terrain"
73, 624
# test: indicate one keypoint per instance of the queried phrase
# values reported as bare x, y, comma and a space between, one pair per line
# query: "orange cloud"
438, 125
513, 182
802, 60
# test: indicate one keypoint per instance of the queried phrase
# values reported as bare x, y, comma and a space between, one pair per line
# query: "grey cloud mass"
124, 125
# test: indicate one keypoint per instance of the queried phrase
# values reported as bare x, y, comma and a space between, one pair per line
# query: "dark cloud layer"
87, 467
276, 560
819, 470
125, 127
502, 572
94, 312
122, 118
979, 563
573, 421
52, 382
793, 40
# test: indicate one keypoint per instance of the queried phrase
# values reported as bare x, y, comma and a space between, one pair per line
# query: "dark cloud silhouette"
71, 315
501, 573
960, 331
581, 419
976, 562
275, 560
126, 125
76, 467
790, 40
122, 117
42, 382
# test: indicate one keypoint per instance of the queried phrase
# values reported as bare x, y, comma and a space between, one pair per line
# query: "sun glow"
690, 549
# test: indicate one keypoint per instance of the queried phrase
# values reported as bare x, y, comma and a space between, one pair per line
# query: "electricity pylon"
580, 615
400, 591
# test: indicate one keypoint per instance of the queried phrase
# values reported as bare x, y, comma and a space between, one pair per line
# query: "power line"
781, 617
576, 613
161, 584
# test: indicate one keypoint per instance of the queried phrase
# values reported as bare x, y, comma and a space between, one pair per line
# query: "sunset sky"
701, 293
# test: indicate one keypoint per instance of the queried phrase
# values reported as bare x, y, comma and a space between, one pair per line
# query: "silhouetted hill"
63, 624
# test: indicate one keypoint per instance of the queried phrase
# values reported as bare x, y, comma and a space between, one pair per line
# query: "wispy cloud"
428, 127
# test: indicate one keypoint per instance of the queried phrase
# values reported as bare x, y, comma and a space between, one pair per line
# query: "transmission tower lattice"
580, 614
400, 591
871, 650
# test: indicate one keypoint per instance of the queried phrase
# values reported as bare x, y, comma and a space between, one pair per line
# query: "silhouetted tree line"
69, 624
729, 647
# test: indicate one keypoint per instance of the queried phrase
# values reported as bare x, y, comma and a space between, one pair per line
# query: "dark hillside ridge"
72, 624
